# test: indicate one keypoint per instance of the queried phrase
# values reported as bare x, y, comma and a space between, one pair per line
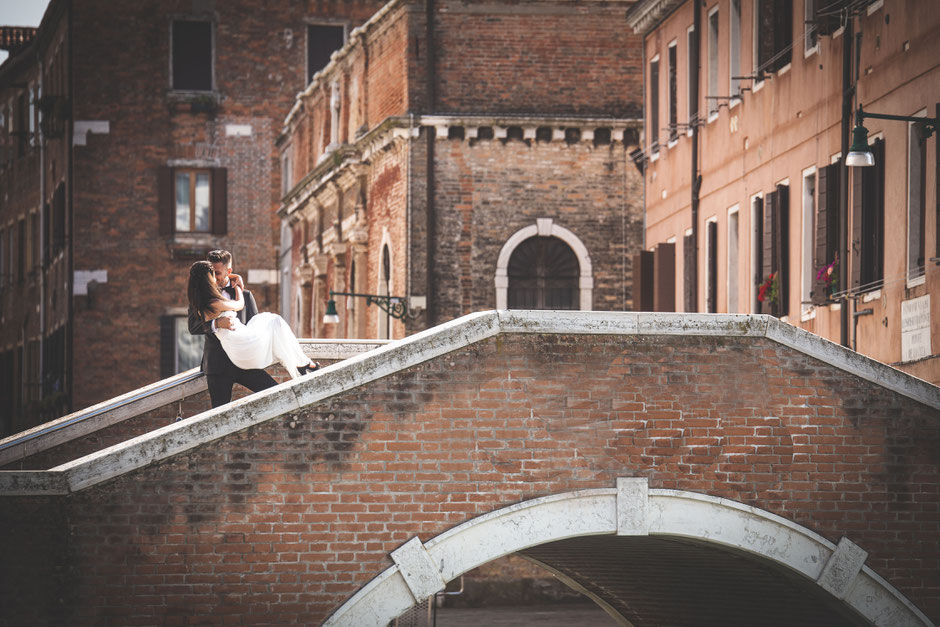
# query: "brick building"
136, 137
464, 156
746, 173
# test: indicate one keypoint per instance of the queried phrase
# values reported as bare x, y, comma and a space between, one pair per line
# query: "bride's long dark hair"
202, 291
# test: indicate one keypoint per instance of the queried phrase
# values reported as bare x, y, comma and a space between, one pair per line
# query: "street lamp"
860, 154
392, 305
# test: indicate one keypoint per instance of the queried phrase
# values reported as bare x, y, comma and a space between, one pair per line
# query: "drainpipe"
70, 239
42, 240
848, 91
431, 231
696, 180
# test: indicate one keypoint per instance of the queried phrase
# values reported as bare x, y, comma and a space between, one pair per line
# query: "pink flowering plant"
829, 275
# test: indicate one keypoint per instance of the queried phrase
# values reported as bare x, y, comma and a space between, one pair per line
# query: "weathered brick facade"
280, 523
441, 141
125, 123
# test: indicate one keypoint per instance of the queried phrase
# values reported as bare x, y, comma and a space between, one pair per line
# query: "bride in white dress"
265, 339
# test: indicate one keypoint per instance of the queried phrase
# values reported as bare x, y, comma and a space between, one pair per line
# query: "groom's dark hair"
220, 256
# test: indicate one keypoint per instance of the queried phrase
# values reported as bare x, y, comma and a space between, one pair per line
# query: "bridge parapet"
141, 411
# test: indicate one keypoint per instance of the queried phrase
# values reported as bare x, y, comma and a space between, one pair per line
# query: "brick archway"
630, 509
545, 227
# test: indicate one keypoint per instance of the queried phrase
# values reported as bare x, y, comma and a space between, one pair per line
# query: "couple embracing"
240, 342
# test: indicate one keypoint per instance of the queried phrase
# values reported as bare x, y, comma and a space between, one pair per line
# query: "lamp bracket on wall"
395, 306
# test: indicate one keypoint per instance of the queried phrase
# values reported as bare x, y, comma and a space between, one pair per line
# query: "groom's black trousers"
220, 385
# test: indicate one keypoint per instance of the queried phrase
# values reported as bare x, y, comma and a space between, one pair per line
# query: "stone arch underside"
593, 538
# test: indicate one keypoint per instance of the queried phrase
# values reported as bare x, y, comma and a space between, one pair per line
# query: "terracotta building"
136, 137
461, 156
750, 206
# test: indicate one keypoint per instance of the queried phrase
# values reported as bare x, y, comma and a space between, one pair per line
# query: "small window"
322, 41
192, 201
733, 259
774, 34
711, 266
654, 106
180, 350
734, 52
810, 29
192, 55
692, 41
807, 243
713, 63
673, 95
916, 200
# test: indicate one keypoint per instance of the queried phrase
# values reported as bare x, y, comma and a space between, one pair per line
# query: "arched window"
545, 228
543, 274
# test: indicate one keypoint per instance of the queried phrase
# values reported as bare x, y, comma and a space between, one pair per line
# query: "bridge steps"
141, 411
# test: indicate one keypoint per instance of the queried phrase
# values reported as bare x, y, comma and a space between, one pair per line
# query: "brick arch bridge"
678, 468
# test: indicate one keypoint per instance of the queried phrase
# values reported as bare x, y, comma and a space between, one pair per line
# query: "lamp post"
394, 306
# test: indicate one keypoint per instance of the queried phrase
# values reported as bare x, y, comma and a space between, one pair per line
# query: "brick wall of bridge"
280, 523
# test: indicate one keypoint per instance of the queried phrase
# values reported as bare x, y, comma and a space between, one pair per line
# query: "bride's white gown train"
265, 339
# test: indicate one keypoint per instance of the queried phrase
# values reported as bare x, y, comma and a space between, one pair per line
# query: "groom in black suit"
221, 373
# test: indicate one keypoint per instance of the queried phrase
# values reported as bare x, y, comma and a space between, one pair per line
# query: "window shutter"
820, 254
878, 211
856, 248
767, 254
167, 346
219, 201
758, 269
165, 200
711, 230
643, 278
782, 246
688, 268
664, 260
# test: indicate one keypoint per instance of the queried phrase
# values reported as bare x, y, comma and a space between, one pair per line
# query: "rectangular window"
733, 260
713, 63
711, 265
322, 41
286, 182
773, 41
868, 219
828, 192
192, 200
643, 281
180, 350
734, 51
673, 95
810, 29
916, 199
33, 251
192, 55
654, 105
807, 248
693, 78
775, 254
21, 251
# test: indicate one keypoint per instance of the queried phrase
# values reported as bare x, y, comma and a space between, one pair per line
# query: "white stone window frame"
545, 227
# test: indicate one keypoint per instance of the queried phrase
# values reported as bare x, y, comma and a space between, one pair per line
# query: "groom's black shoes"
313, 367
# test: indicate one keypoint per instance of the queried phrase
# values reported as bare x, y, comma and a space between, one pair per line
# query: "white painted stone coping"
337, 378
136, 402
669, 513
